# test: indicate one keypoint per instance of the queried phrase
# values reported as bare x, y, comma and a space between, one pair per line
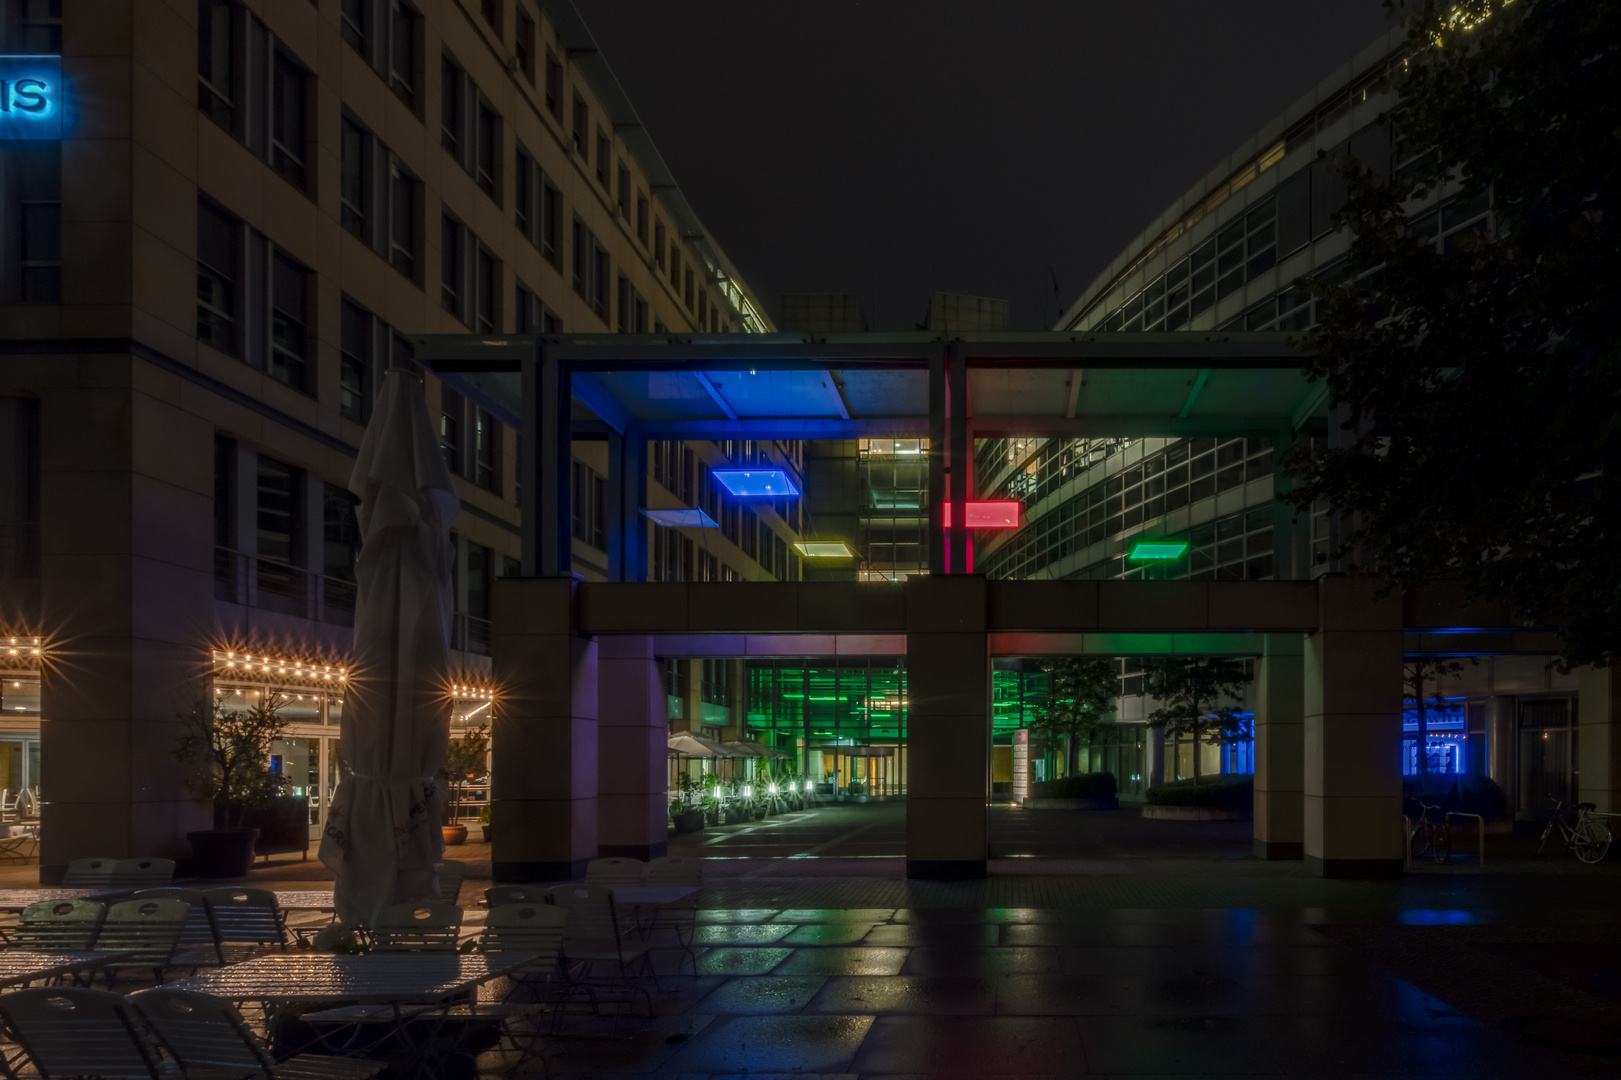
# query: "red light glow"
996, 514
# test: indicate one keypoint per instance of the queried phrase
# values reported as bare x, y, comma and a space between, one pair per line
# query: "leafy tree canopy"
1477, 381
1081, 692
1200, 696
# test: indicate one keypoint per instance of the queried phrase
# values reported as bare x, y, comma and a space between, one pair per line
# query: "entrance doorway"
1547, 758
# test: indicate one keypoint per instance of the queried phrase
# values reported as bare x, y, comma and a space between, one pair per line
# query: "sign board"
31, 97
1021, 764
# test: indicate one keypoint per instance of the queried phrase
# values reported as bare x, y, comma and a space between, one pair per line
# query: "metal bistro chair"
419, 926
592, 937
59, 925
451, 874
247, 918
198, 942
681, 917
521, 928
91, 873
206, 1036
514, 894
69, 1032
615, 871
146, 929
142, 873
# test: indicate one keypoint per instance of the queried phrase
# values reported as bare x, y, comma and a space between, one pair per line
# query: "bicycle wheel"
1441, 844
1593, 842
1421, 840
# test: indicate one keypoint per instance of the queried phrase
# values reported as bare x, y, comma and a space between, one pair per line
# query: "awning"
686, 744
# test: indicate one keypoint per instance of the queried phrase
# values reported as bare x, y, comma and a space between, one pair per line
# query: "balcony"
469, 633
270, 585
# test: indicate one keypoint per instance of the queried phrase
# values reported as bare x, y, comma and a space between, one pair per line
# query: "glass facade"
839, 720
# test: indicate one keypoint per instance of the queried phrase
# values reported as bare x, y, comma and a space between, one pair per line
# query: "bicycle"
1432, 839
1588, 838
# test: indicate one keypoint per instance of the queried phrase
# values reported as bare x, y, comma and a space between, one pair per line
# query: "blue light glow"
761, 483
31, 97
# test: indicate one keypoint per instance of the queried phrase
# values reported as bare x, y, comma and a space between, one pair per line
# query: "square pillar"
543, 780
1598, 739
632, 740
948, 690
1280, 735
1353, 706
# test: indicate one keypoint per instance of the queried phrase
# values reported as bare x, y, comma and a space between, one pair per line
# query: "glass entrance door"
1547, 765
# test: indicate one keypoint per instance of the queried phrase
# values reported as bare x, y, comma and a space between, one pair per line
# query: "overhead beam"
838, 395
714, 392
1074, 394
1193, 394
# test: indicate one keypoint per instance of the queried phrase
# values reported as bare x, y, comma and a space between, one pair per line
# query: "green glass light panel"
1158, 550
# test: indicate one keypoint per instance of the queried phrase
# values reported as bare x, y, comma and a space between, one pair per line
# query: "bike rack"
1480, 823
1407, 838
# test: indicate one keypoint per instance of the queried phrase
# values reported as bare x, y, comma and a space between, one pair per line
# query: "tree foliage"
1081, 691
1476, 381
229, 754
1417, 673
1200, 697
465, 761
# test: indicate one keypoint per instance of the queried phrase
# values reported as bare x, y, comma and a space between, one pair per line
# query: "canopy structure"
685, 744
745, 749
629, 388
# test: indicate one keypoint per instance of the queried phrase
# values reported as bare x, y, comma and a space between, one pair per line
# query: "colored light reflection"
1158, 550
682, 518
763, 483
824, 549
992, 514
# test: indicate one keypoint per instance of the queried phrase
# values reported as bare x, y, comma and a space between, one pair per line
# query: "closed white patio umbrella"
383, 833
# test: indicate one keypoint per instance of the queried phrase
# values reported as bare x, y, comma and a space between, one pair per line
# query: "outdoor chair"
246, 918
146, 929
591, 938
70, 1032
59, 925
514, 894
615, 871
206, 1036
451, 874
521, 928
92, 873
418, 926
198, 941
680, 917
142, 873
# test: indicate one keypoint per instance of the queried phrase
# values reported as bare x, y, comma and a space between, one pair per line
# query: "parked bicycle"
1585, 835
1431, 839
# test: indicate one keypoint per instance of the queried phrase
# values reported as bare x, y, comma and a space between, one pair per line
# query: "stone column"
632, 734
1353, 705
1500, 746
948, 687
543, 784
1598, 738
1280, 748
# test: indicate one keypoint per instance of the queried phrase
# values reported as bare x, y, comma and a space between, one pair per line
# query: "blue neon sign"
31, 98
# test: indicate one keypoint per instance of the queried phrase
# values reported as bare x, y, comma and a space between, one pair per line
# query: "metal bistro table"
18, 967
290, 902
15, 900
408, 986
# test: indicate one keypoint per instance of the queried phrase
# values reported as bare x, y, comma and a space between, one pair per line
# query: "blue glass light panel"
31, 97
683, 518
756, 483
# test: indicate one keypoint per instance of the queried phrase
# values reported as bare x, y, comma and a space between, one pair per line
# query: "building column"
543, 781
1280, 748
948, 691
1598, 736
1353, 705
1500, 747
632, 739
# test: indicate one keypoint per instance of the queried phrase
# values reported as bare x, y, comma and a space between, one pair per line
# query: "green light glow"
1158, 550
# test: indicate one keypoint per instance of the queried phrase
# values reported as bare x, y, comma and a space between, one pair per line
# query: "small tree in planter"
465, 759
1191, 689
1081, 691
228, 751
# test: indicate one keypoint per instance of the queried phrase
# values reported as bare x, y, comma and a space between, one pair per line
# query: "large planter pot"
485, 829
222, 853
689, 821
1195, 813
1072, 804
860, 798
454, 834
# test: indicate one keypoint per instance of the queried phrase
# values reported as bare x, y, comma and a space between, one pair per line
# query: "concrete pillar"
543, 784
127, 595
1280, 748
1353, 703
1501, 747
632, 734
948, 684
1598, 737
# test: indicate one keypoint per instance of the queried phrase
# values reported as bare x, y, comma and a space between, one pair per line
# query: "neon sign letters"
30, 97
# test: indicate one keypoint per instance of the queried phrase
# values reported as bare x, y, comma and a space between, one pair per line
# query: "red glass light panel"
992, 514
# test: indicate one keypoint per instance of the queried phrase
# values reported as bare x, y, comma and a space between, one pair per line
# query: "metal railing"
469, 633
270, 585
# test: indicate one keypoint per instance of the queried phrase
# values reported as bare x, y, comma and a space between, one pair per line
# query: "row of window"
471, 440
1238, 547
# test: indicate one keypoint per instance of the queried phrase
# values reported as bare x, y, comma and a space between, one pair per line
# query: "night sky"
892, 149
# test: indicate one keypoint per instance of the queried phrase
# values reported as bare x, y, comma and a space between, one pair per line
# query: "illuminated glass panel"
763, 483
1158, 550
681, 518
995, 514
824, 549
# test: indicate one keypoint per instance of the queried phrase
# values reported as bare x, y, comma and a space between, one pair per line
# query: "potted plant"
484, 821
710, 799
687, 816
465, 759
228, 751
857, 791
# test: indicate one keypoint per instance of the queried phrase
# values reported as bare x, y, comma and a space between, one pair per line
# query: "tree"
464, 762
229, 752
1191, 690
1476, 381
1080, 696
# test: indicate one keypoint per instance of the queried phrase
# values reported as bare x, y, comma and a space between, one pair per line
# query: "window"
486, 451
539, 210
551, 222
452, 411
578, 138
686, 290
355, 181
524, 44
604, 153
401, 66
391, 53
354, 22
451, 262
592, 270
287, 145
641, 217
632, 309
289, 333
452, 107
623, 194
599, 296
589, 499
675, 264
487, 154
355, 363
279, 524
31, 222
264, 101
658, 246
218, 267
404, 208
32, 27
487, 291
216, 60
533, 316
554, 86
479, 564
377, 197
491, 10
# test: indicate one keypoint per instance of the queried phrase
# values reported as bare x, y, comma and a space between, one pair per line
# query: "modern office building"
222, 226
